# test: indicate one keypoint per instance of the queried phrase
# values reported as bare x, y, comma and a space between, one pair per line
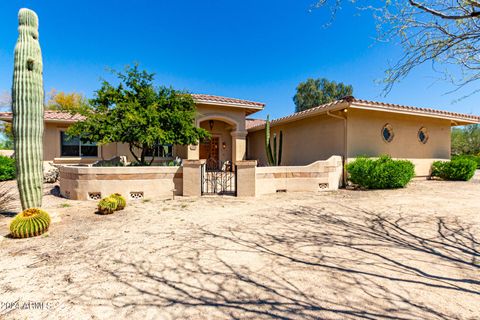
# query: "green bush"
468, 156
459, 169
7, 168
381, 173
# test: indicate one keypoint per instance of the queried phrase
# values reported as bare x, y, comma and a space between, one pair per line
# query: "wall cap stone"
246, 163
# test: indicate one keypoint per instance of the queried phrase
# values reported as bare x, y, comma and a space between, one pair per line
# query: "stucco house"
348, 127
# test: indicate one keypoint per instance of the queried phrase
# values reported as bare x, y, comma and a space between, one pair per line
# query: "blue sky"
251, 49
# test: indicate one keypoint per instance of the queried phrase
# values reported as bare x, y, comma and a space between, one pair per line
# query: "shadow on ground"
305, 263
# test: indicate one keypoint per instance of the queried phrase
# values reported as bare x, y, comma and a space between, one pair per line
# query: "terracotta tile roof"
300, 115
394, 106
250, 123
206, 98
381, 106
49, 116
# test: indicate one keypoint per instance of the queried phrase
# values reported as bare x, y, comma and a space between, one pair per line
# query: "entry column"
239, 145
192, 178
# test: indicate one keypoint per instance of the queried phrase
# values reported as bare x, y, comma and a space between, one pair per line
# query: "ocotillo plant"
273, 158
27, 105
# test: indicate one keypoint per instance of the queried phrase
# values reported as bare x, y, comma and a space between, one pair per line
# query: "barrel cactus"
27, 105
121, 202
107, 205
29, 223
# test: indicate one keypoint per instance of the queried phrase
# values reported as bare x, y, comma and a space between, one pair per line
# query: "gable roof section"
209, 99
249, 106
351, 102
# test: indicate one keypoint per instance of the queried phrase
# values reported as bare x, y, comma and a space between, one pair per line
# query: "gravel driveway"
400, 254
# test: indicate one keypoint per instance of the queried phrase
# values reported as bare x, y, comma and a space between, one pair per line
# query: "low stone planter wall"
93, 183
6, 153
318, 176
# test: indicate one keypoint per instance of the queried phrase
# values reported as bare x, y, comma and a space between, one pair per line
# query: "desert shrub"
381, 173
7, 168
459, 169
29, 223
475, 158
107, 205
121, 202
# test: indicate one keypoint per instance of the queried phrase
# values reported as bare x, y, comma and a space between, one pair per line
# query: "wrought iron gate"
219, 181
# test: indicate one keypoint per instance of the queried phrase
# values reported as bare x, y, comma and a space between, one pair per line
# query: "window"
73, 147
422, 135
161, 151
387, 133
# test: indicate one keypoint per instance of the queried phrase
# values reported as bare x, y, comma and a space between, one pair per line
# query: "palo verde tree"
437, 31
315, 92
63, 101
139, 114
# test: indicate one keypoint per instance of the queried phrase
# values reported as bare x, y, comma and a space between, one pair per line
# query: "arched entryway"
217, 150
226, 145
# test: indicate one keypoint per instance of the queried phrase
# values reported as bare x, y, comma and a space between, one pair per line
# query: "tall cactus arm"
268, 149
280, 147
27, 105
275, 149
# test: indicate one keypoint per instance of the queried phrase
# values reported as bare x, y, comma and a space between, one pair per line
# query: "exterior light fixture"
210, 123
224, 146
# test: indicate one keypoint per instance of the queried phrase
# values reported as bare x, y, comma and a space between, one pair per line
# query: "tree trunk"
130, 146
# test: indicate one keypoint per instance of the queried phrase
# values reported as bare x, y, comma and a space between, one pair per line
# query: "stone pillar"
239, 145
246, 178
192, 175
193, 152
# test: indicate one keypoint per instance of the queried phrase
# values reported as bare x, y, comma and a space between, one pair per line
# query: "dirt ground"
400, 254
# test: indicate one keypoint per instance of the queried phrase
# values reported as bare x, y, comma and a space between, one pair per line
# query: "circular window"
423, 135
387, 133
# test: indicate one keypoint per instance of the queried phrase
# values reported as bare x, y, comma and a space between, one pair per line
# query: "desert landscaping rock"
50, 173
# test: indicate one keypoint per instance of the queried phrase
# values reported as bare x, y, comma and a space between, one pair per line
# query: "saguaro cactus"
27, 105
273, 158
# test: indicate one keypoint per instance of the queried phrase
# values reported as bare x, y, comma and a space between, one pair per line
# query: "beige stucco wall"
304, 141
78, 182
234, 116
318, 176
6, 153
364, 137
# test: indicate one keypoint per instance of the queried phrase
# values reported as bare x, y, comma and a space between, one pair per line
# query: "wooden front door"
209, 149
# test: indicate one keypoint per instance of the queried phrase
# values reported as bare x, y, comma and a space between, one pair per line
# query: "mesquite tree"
27, 106
139, 114
439, 31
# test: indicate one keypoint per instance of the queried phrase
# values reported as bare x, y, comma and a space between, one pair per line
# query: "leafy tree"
62, 101
315, 92
466, 140
139, 114
6, 135
6, 132
438, 31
